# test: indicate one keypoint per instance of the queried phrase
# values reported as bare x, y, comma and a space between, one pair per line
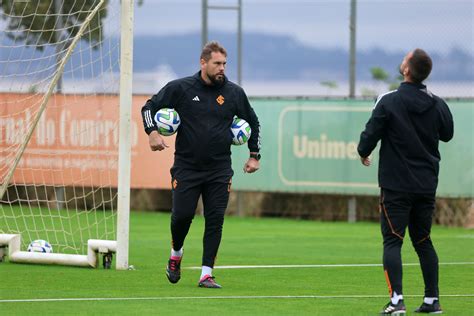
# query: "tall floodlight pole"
239, 44
352, 53
352, 202
204, 32
59, 191
204, 36
59, 38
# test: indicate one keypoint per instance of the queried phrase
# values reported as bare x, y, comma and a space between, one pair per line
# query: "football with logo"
240, 131
40, 245
167, 121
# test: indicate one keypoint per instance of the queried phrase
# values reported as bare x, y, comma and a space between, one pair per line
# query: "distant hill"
265, 57
273, 57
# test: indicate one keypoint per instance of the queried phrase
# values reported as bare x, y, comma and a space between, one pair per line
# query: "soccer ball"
167, 121
240, 131
40, 245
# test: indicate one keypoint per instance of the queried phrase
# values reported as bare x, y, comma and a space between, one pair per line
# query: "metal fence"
303, 46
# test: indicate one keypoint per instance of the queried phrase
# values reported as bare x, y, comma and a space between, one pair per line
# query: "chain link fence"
301, 47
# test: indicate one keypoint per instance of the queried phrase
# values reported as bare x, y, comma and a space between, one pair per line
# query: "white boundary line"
283, 266
239, 297
170, 298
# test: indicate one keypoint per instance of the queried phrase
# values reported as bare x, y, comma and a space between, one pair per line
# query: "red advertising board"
76, 142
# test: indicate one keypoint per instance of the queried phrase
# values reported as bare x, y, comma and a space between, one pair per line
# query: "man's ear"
202, 61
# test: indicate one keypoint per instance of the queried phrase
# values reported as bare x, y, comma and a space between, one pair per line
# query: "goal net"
59, 128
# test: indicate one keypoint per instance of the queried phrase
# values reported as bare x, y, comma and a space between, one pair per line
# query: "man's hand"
365, 161
251, 165
156, 141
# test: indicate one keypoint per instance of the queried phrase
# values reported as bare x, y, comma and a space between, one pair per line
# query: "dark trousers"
188, 185
399, 210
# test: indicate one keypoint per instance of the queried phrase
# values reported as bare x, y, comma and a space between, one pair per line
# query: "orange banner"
76, 142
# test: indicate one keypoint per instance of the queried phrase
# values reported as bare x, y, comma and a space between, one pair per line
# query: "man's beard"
217, 79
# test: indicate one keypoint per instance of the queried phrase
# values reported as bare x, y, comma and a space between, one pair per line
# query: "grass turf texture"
246, 241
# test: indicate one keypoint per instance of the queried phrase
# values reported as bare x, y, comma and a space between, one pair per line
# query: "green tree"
329, 84
36, 22
396, 82
379, 74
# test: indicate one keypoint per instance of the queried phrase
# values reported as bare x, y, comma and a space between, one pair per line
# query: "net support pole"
124, 159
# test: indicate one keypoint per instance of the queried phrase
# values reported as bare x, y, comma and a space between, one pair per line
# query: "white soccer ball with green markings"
167, 121
240, 131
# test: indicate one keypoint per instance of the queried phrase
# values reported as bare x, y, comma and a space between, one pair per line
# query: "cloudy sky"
394, 25
390, 24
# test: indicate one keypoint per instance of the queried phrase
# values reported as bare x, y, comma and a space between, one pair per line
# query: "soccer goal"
65, 112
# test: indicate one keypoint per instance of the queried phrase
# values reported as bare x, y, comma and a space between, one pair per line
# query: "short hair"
212, 47
420, 65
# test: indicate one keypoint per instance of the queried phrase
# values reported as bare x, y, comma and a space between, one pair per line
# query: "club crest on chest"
220, 100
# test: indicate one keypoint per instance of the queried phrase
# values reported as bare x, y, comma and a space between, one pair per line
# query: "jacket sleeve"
446, 130
167, 97
374, 130
246, 112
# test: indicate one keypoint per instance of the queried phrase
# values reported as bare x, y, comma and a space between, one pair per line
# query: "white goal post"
65, 130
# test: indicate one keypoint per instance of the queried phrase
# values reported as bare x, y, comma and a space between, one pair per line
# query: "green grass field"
324, 290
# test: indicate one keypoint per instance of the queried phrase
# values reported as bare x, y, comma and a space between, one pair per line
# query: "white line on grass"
469, 236
166, 298
275, 266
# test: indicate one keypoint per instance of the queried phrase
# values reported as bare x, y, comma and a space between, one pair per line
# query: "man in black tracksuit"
410, 122
206, 103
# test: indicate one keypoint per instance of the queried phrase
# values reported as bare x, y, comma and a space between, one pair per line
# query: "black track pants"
188, 185
399, 210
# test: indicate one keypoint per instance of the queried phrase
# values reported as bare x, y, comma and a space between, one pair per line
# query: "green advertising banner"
311, 146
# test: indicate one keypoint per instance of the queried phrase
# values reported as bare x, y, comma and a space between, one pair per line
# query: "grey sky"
435, 25
394, 24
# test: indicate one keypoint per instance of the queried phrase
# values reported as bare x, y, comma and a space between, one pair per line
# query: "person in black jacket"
410, 122
207, 104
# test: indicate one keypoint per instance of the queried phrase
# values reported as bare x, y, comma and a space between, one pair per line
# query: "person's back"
415, 121
410, 122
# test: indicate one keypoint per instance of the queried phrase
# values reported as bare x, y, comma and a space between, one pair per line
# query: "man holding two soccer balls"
205, 107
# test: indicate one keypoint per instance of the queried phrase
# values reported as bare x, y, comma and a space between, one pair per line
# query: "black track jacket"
410, 122
203, 139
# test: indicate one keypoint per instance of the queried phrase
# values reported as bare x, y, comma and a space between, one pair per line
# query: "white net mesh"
63, 188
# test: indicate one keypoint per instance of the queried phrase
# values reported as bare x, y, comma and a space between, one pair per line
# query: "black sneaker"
392, 309
434, 308
173, 270
208, 281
